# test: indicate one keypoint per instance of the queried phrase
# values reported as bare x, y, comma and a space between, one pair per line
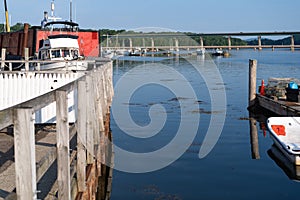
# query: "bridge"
113, 41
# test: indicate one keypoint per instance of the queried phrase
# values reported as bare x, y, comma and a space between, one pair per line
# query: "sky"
209, 16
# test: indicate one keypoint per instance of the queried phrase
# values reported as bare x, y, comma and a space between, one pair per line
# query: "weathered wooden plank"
6, 118
90, 121
63, 158
277, 106
24, 144
81, 136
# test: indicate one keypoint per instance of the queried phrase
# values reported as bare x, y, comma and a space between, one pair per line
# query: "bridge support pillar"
130, 43
144, 43
176, 44
259, 43
201, 42
152, 44
292, 43
229, 43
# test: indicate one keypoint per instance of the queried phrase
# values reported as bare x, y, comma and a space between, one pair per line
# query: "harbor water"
217, 102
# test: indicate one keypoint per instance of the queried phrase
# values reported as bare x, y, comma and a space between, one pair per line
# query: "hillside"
284, 41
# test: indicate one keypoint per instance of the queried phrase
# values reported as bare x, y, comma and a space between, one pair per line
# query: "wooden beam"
63, 158
24, 144
6, 118
81, 136
90, 119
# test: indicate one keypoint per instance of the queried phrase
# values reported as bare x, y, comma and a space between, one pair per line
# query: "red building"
15, 42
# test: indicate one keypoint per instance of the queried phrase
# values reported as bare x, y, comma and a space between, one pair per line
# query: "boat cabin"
59, 47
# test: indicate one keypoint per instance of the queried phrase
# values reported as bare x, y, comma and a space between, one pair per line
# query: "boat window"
66, 53
75, 53
55, 53
43, 55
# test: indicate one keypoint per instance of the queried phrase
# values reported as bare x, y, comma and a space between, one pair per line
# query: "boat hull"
65, 66
287, 140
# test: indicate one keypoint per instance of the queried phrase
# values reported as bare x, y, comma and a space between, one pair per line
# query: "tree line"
164, 41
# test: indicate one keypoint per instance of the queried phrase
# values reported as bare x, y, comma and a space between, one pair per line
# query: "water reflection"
290, 169
254, 138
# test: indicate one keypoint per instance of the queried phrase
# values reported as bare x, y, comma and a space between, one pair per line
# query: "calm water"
228, 171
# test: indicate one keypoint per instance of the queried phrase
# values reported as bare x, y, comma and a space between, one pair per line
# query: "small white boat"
285, 132
108, 54
136, 52
218, 52
61, 51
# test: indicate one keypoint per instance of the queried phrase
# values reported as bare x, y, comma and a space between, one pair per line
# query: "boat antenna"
52, 17
52, 9
70, 10
6, 17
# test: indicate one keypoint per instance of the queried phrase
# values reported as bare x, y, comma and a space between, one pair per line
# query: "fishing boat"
285, 132
61, 51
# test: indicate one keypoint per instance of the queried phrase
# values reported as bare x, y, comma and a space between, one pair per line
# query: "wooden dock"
279, 107
62, 160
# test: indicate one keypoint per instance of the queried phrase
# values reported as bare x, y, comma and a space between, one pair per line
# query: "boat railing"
7, 65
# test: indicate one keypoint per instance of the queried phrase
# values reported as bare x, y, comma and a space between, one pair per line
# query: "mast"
70, 10
6, 17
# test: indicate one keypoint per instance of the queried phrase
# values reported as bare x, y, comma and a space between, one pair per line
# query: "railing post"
24, 144
63, 158
3, 55
26, 55
81, 136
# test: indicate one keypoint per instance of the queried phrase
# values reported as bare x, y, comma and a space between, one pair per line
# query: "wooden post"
24, 144
252, 81
38, 66
25, 38
26, 55
63, 158
90, 119
254, 138
3, 56
10, 66
81, 136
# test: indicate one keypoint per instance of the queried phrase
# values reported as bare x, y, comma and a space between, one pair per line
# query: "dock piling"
252, 82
